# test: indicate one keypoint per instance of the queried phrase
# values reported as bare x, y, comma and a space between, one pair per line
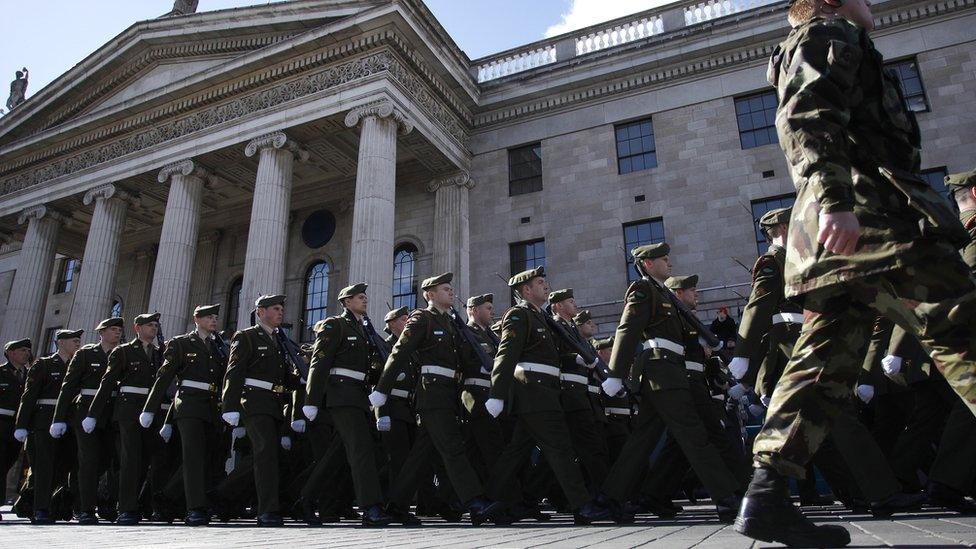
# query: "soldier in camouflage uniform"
857, 248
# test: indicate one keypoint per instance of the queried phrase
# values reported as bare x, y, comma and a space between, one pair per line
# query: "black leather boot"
128, 518
41, 517
590, 512
196, 517
270, 520
87, 518
941, 495
482, 510
901, 502
375, 516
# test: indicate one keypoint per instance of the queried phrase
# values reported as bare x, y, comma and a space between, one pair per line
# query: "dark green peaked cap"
19, 344
433, 281
353, 290
582, 317
395, 314
146, 318
526, 276
206, 310
560, 295
961, 180
779, 216
269, 300
681, 282
109, 322
651, 251
67, 334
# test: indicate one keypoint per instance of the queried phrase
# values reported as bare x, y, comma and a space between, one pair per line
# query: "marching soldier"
525, 380
867, 237
34, 420
395, 420
256, 388
197, 361
12, 376
587, 330
482, 429
432, 334
80, 385
131, 369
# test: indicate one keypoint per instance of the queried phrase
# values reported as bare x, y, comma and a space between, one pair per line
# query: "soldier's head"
68, 341
584, 322
685, 288
146, 326
531, 286
857, 12
775, 225
481, 309
604, 347
962, 186
110, 331
354, 298
205, 318
396, 320
563, 303
438, 291
653, 260
18, 352
270, 310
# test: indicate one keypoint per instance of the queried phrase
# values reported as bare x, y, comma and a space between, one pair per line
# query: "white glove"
765, 399
377, 399
739, 367
384, 423
756, 410
166, 432
612, 386
238, 432
286, 442
298, 426
146, 419
738, 391
88, 424
58, 429
865, 393
494, 406
891, 365
20, 435
311, 412
231, 418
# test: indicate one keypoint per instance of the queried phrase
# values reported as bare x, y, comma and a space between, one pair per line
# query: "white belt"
6, 412
593, 389
538, 368
437, 371
165, 406
694, 366
719, 397
574, 378
47, 402
89, 392
791, 318
613, 411
134, 390
198, 385
402, 393
261, 384
346, 372
477, 381
661, 343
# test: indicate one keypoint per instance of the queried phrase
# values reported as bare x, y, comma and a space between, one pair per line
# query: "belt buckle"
278, 389
212, 388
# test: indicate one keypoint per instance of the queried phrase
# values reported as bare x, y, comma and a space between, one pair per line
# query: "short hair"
802, 11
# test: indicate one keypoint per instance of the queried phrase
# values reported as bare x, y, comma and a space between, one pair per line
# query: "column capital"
183, 167
276, 140
106, 191
460, 179
380, 109
39, 212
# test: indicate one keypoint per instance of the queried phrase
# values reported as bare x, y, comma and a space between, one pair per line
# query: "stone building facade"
299, 146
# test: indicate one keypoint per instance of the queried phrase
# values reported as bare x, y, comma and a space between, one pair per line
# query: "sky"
48, 37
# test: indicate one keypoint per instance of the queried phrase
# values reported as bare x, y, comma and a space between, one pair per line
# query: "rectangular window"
527, 255
911, 84
640, 233
50, 343
756, 115
760, 207
66, 275
525, 169
635, 146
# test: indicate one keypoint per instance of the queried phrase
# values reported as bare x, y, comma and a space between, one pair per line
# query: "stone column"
371, 249
137, 295
170, 294
267, 237
452, 240
201, 285
99, 265
28, 294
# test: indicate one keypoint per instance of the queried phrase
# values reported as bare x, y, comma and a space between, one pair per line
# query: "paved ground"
696, 527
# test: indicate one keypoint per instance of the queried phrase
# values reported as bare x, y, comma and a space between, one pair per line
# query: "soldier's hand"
311, 412
384, 424
231, 418
494, 406
891, 365
612, 386
166, 432
865, 393
839, 232
88, 424
377, 399
738, 391
286, 442
20, 435
146, 419
739, 367
757, 410
58, 429
298, 426
238, 432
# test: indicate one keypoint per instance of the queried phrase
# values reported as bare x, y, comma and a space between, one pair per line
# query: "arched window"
316, 298
116, 307
404, 285
234, 304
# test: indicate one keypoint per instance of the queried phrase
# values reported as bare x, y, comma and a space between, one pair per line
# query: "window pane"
756, 117
912, 87
404, 285
634, 141
316, 298
524, 167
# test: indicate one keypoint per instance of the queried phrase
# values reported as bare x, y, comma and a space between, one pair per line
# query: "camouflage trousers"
935, 300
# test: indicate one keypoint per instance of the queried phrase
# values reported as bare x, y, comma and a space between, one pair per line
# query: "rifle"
690, 317
374, 341
472, 340
292, 353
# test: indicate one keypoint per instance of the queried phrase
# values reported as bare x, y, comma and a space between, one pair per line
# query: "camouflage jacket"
851, 146
968, 218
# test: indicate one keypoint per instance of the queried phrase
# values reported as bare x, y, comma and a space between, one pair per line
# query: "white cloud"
583, 13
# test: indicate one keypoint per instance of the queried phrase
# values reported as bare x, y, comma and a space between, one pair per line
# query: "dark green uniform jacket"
526, 338
80, 384
41, 393
340, 342
189, 358
474, 392
575, 378
254, 354
129, 366
10, 391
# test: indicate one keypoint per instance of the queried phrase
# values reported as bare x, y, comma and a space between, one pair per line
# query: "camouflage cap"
395, 314
560, 295
681, 282
477, 300
582, 317
350, 291
146, 318
206, 310
67, 334
117, 321
526, 276
601, 344
433, 281
651, 251
269, 300
19, 344
779, 216
961, 180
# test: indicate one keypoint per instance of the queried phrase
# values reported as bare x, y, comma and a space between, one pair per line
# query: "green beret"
601, 344
354, 290
433, 281
960, 180
651, 251
582, 317
681, 282
269, 300
19, 344
110, 322
526, 276
67, 334
206, 310
780, 216
146, 318
480, 300
395, 314
560, 295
